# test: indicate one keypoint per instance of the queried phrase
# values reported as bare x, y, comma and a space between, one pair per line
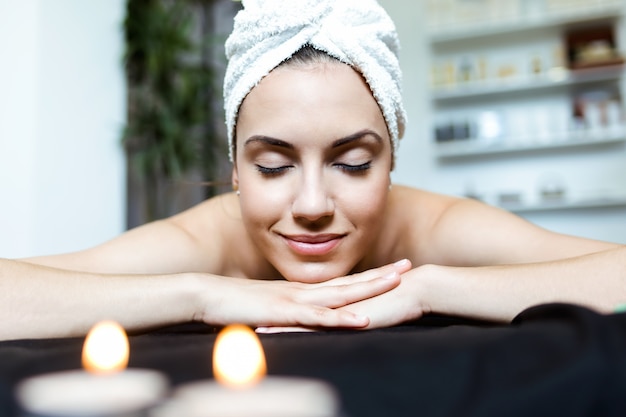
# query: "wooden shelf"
551, 80
607, 202
471, 148
474, 30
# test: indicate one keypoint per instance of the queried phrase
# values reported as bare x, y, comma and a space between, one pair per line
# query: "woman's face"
312, 165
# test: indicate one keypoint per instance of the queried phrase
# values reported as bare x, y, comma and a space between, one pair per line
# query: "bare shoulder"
194, 240
419, 209
464, 232
402, 195
412, 214
214, 226
213, 216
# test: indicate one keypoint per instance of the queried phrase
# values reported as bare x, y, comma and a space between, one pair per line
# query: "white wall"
62, 107
584, 173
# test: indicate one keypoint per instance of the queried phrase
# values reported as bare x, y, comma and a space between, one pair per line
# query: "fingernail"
401, 262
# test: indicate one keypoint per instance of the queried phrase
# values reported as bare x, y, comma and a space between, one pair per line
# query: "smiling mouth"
313, 245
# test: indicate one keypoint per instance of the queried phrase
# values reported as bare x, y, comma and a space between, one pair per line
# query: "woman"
315, 234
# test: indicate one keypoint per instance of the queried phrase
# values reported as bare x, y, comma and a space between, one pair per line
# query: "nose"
313, 198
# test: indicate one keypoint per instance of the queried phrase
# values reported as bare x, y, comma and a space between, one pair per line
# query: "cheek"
262, 203
365, 202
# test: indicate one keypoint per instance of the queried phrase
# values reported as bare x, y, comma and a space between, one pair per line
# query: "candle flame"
106, 348
238, 358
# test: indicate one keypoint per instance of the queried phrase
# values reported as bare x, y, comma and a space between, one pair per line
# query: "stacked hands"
359, 301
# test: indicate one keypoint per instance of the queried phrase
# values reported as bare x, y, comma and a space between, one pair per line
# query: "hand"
285, 304
393, 307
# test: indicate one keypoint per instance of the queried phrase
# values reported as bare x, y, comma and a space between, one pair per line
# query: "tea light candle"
241, 389
103, 388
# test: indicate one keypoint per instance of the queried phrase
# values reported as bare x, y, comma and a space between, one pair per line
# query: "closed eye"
355, 168
271, 171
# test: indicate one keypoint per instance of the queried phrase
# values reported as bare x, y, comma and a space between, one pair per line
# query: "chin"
312, 272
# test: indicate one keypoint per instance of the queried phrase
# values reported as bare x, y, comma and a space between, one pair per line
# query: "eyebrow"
339, 142
269, 141
356, 136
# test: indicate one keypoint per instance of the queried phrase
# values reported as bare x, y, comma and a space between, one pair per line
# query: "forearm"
38, 301
499, 293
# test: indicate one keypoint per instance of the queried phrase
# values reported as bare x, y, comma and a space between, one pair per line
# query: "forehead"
327, 98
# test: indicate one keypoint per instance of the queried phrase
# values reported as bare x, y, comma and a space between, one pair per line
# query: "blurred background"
111, 113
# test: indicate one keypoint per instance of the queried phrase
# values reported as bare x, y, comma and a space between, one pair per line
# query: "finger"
341, 295
403, 265
279, 329
318, 316
400, 267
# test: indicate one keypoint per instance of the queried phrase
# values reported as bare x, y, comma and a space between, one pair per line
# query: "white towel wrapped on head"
356, 32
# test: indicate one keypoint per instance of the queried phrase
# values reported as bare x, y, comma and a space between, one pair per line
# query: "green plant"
171, 84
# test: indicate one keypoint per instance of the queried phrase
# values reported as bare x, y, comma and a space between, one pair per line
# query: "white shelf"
545, 81
472, 30
607, 202
474, 147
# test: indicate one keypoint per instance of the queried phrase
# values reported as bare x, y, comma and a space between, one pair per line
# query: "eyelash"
355, 168
345, 167
272, 171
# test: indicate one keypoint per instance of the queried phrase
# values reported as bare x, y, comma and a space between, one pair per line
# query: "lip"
313, 245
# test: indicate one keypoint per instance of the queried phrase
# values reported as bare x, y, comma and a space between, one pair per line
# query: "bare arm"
137, 279
499, 293
39, 301
516, 265
482, 262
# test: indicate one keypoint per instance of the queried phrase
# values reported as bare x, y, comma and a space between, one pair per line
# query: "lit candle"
242, 389
103, 388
